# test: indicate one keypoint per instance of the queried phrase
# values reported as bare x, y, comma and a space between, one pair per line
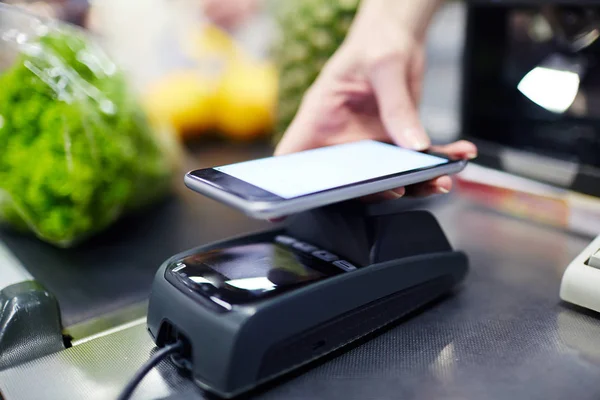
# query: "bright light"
200, 279
260, 283
553, 89
221, 302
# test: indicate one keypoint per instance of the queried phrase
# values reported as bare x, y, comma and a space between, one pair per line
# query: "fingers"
416, 75
462, 150
298, 136
384, 196
397, 109
441, 185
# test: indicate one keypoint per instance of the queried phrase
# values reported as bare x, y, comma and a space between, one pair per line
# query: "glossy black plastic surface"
247, 273
30, 324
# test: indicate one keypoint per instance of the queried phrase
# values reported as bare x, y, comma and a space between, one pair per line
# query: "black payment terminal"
252, 308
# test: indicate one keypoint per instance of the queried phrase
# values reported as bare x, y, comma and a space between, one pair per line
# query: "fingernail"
393, 195
471, 156
399, 192
442, 190
416, 140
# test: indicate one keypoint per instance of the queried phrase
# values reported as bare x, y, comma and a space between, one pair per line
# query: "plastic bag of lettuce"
76, 151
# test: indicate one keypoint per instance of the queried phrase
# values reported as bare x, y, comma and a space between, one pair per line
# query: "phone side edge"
292, 206
255, 209
268, 210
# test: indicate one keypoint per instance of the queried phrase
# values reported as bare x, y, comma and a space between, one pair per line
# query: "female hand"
371, 88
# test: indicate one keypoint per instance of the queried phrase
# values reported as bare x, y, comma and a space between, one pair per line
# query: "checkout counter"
503, 334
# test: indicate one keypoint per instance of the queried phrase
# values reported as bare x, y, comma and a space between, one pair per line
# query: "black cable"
151, 363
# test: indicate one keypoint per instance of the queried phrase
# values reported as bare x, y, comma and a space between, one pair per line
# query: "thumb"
397, 110
299, 135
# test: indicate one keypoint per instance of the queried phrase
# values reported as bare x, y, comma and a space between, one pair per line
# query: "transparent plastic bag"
76, 151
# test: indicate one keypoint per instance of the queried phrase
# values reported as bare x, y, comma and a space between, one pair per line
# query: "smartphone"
279, 186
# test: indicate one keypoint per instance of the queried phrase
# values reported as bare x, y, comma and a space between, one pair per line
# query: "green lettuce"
76, 151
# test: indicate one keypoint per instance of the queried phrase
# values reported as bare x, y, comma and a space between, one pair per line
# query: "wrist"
410, 16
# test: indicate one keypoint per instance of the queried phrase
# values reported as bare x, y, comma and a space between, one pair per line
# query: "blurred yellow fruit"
184, 100
229, 92
246, 99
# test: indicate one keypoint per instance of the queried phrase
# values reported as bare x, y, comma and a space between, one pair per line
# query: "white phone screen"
329, 167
